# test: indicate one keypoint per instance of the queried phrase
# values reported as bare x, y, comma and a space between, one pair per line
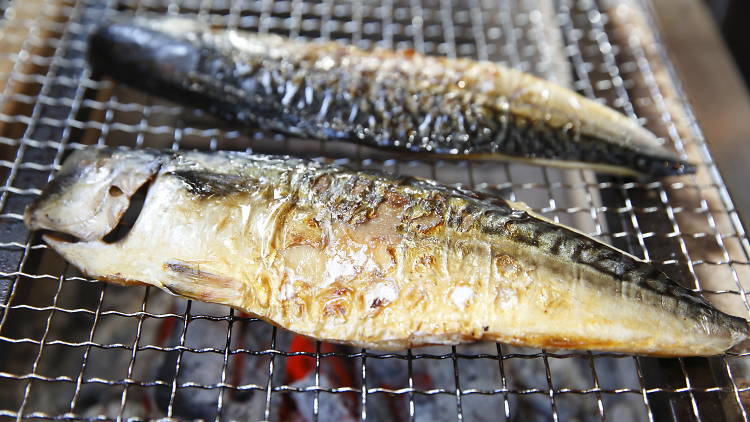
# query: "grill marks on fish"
358, 198
377, 261
398, 100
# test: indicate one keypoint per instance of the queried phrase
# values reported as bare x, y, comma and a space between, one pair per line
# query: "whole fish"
363, 258
456, 108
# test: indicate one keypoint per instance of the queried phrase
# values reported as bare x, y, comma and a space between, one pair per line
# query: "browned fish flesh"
366, 259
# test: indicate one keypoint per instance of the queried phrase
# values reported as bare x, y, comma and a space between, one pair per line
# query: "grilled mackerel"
363, 258
390, 99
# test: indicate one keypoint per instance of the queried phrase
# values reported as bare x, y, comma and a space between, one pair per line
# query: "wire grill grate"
75, 349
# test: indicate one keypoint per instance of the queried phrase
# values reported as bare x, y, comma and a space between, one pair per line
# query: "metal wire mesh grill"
72, 348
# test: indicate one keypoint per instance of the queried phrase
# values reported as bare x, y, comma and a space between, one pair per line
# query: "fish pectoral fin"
187, 279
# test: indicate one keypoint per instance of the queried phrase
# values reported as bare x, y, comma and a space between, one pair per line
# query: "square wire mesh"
72, 348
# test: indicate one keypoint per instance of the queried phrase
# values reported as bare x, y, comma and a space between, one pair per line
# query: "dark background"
733, 18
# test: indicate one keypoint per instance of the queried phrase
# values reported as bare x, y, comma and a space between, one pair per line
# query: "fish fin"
741, 338
187, 279
494, 191
491, 194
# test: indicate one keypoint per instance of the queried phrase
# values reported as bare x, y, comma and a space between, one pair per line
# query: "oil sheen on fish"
399, 100
363, 258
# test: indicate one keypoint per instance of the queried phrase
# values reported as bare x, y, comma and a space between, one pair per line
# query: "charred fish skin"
396, 100
367, 259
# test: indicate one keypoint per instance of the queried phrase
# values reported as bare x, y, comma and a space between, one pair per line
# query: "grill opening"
75, 349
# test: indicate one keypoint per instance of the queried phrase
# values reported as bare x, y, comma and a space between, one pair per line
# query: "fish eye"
115, 191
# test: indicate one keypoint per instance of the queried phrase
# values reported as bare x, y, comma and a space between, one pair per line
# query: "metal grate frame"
72, 348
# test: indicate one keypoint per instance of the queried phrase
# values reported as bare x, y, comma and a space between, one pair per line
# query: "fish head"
91, 192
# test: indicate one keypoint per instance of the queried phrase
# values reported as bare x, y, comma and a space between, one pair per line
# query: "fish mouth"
51, 236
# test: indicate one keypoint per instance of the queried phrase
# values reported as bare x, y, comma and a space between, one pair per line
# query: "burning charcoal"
335, 372
206, 368
390, 373
334, 407
431, 374
482, 374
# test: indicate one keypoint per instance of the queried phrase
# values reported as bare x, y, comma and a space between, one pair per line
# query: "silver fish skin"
363, 258
401, 100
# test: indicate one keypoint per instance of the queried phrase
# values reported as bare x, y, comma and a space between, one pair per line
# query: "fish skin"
401, 100
361, 258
